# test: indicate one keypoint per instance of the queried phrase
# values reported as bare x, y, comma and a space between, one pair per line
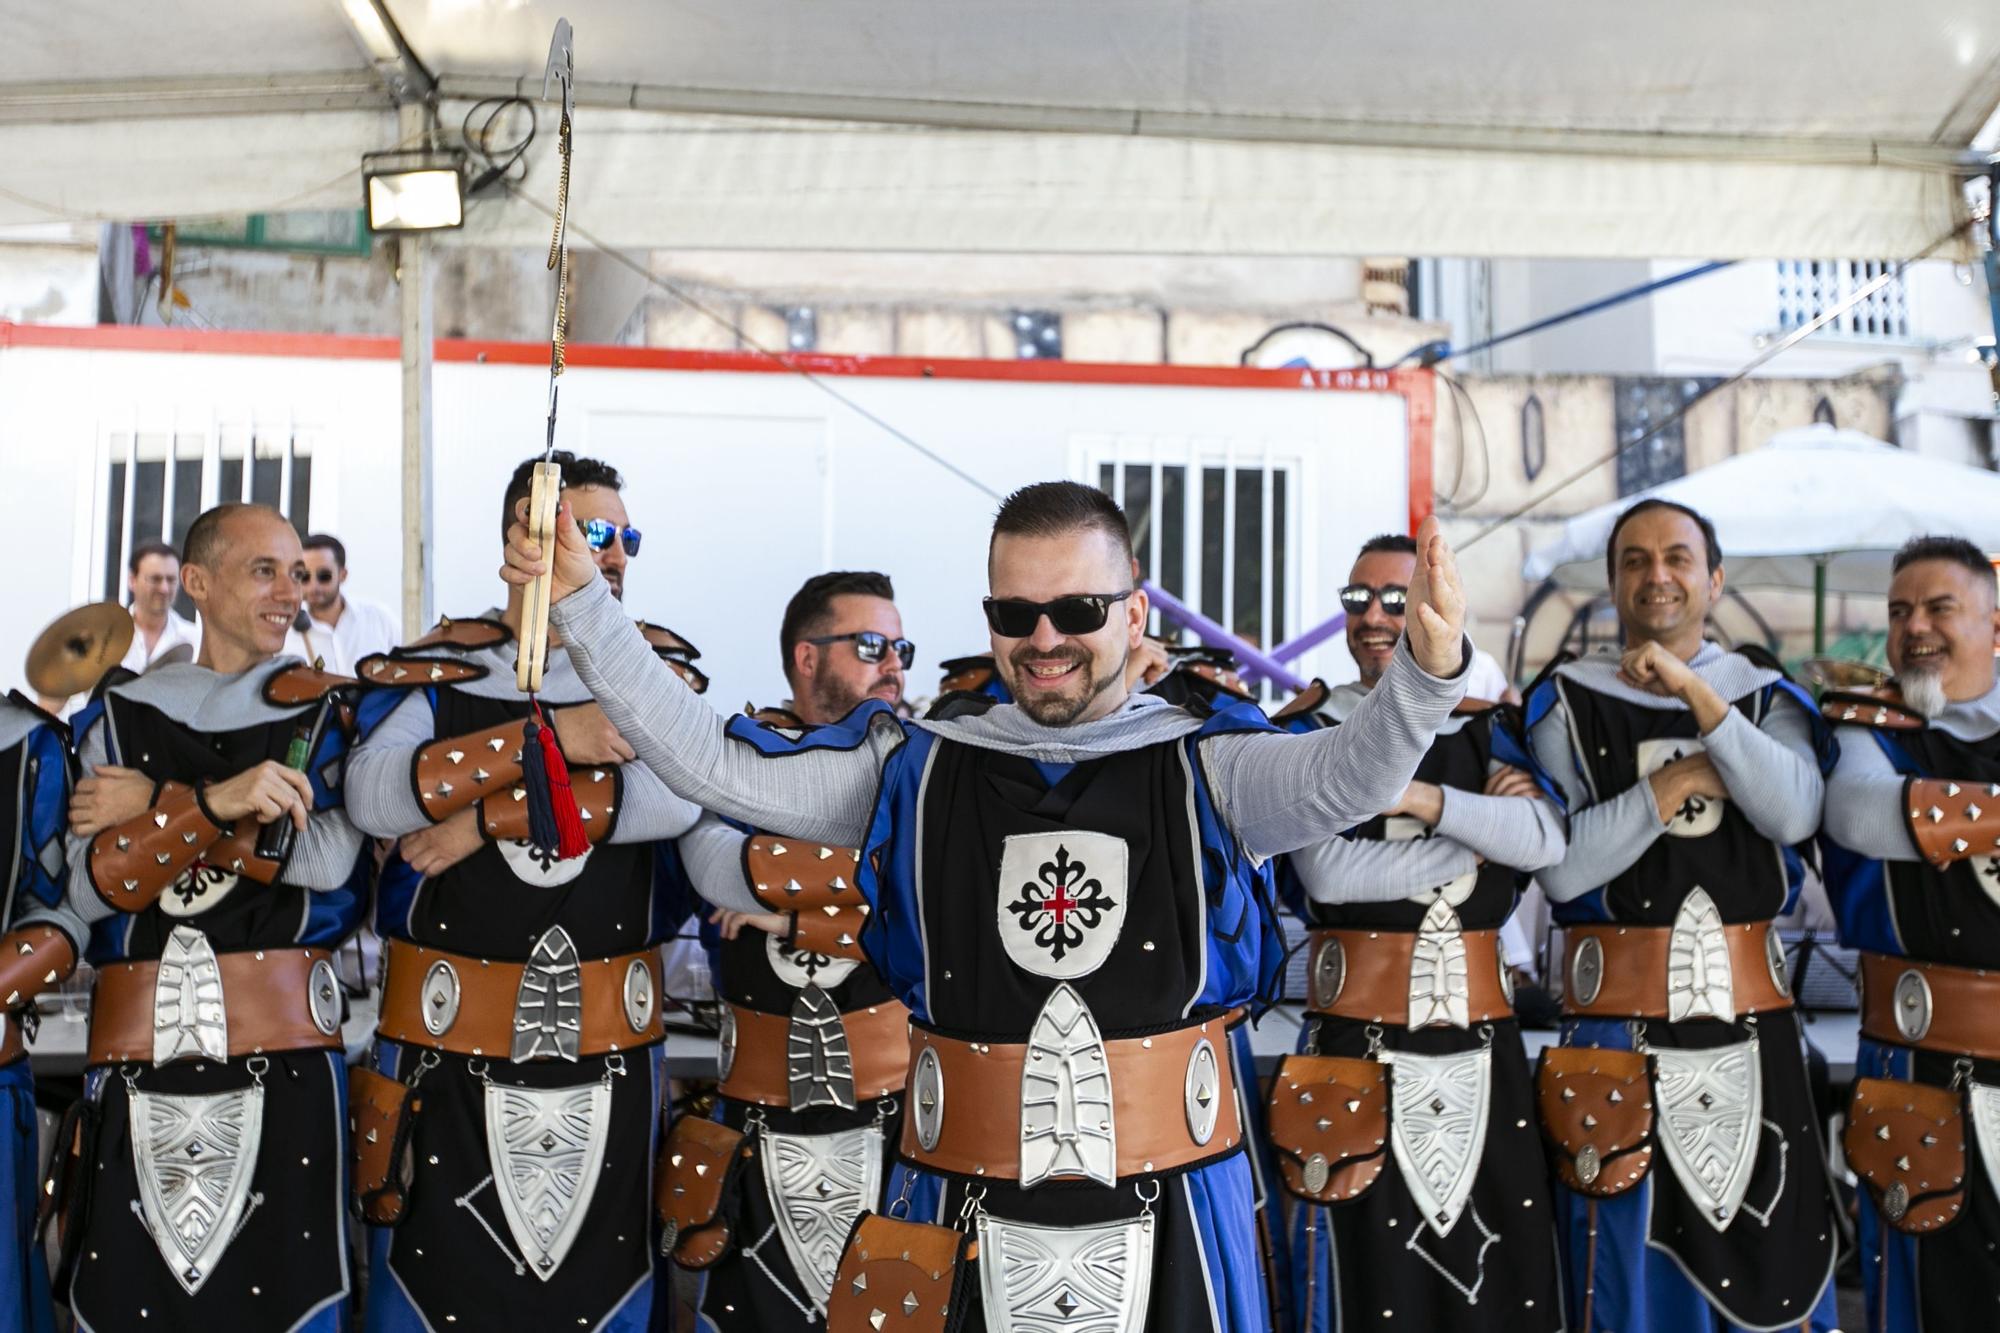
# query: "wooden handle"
542, 501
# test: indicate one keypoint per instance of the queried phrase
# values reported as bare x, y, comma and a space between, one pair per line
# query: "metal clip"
902, 1200
1146, 1201
974, 1205
1374, 1034
1635, 1028
257, 1066
1961, 1073
426, 1062
614, 1066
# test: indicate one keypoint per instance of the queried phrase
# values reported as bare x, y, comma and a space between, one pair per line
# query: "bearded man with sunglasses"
517, 1057
1071, 896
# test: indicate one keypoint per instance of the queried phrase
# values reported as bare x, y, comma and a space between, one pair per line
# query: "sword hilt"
543, 496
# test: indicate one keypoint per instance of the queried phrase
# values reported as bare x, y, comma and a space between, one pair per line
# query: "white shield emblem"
800, 968
819, 1183
195, 1156
1406, 828
1061, 901
546, 1147
1437, 1128
1711, 1116
1984, 1104
533, 866
1090, 1279
200, 887
190, 1019
1440, 992
1700, 983
1067, 1131
1698, 816
1986, 870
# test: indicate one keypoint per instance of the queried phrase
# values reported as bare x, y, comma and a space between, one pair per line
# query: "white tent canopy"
1798, 127
1810, 496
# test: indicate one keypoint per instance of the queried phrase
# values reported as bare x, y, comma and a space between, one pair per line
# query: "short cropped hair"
575, 472
1058, 508
1399, 542
203, 544
807, 613
326, 541
144, 549
1700, 521
1954, 550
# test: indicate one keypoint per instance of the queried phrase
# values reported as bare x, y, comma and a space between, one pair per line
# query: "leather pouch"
909, 1277
1907, 1140
381, 1116
1329, 1118
694, 1189
1596, 1109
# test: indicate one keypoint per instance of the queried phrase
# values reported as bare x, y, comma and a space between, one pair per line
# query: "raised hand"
574, 564
1435, 621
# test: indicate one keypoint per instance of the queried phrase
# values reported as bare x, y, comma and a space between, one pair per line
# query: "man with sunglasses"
1071, 896
337, 629
522, 993
1405, 968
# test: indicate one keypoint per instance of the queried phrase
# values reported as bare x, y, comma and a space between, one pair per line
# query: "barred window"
1808, 288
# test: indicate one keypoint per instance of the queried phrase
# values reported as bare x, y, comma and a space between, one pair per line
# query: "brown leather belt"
1930, 1006
1364, 975
1630, 970
878, 1042
266, 997
1152, 1102
471, 1002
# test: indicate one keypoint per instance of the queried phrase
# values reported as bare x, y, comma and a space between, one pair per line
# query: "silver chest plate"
195, 1157
190, 1016
1092, 1279
1711, 1106
1067, 1130
1983, 1101
546, 1148
927, 1095
1699, 981
548, 1006
819, 1068
1439, 988
818, 1184
1437, 1128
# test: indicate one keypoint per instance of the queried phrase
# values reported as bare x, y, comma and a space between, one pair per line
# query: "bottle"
274, 840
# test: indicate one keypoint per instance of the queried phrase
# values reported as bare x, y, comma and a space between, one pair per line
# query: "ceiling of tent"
1796, 127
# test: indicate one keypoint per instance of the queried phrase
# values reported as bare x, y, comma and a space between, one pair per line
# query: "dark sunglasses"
1079, 613
601, 532
1354, 599
870, 646
322, 576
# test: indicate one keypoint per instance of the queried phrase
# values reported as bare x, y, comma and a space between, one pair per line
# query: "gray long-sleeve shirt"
1769, 767
1864, 794
1278, 792
712, 852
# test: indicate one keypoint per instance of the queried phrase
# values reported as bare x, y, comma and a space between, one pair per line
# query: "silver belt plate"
818, 1185
546, 1148
1711, 1107
1985, 1107
1038, 1279
195, 1156
190, 1015
1440, 991
819, 1066
1437, 1127
1700, 981
1067, 1128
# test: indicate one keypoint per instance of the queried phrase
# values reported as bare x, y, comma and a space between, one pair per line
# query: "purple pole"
1311, 639
1216, 636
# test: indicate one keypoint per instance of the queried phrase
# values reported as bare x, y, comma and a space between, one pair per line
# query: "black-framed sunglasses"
1354, 599
601, 532
870, 646
321, 576
1079, 613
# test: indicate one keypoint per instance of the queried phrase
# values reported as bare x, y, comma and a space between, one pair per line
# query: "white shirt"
177, 632
363, 628
1486, 678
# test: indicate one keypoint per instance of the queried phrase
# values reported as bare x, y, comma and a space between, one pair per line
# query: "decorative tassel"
555, 826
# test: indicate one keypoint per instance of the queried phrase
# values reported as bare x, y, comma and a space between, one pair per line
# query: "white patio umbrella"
1815, 507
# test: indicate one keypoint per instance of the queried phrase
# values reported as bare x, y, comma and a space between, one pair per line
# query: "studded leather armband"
503, 816
454, 772
790, 875
131, 864
833, 931
236, 852
32, 960
1951, 820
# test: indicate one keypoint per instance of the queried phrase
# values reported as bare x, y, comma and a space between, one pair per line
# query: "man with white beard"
1912, 832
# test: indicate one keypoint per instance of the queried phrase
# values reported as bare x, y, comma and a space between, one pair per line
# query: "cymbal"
1842, 673
73, 654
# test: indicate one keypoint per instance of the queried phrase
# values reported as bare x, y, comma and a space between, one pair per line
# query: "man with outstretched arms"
1450, 1224
205, 1187
815, 1047
506, 1122
1693, 1189
1912, 846
38, 948
1071, 896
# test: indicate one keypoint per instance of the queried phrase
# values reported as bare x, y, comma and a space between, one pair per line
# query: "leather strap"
833, 931
1950, 1010
799, 875
131, 864
503, 816
482, 1024
1632, 980
877, 1041
265, 996
454, 771
1374, 971
979, 1133
1951, 820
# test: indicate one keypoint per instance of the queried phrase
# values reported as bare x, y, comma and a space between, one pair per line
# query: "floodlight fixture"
414, 190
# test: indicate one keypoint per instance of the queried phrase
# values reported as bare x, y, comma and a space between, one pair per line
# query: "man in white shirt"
338, 629
153, 578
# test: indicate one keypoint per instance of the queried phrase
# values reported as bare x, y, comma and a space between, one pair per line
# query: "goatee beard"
1923, 691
